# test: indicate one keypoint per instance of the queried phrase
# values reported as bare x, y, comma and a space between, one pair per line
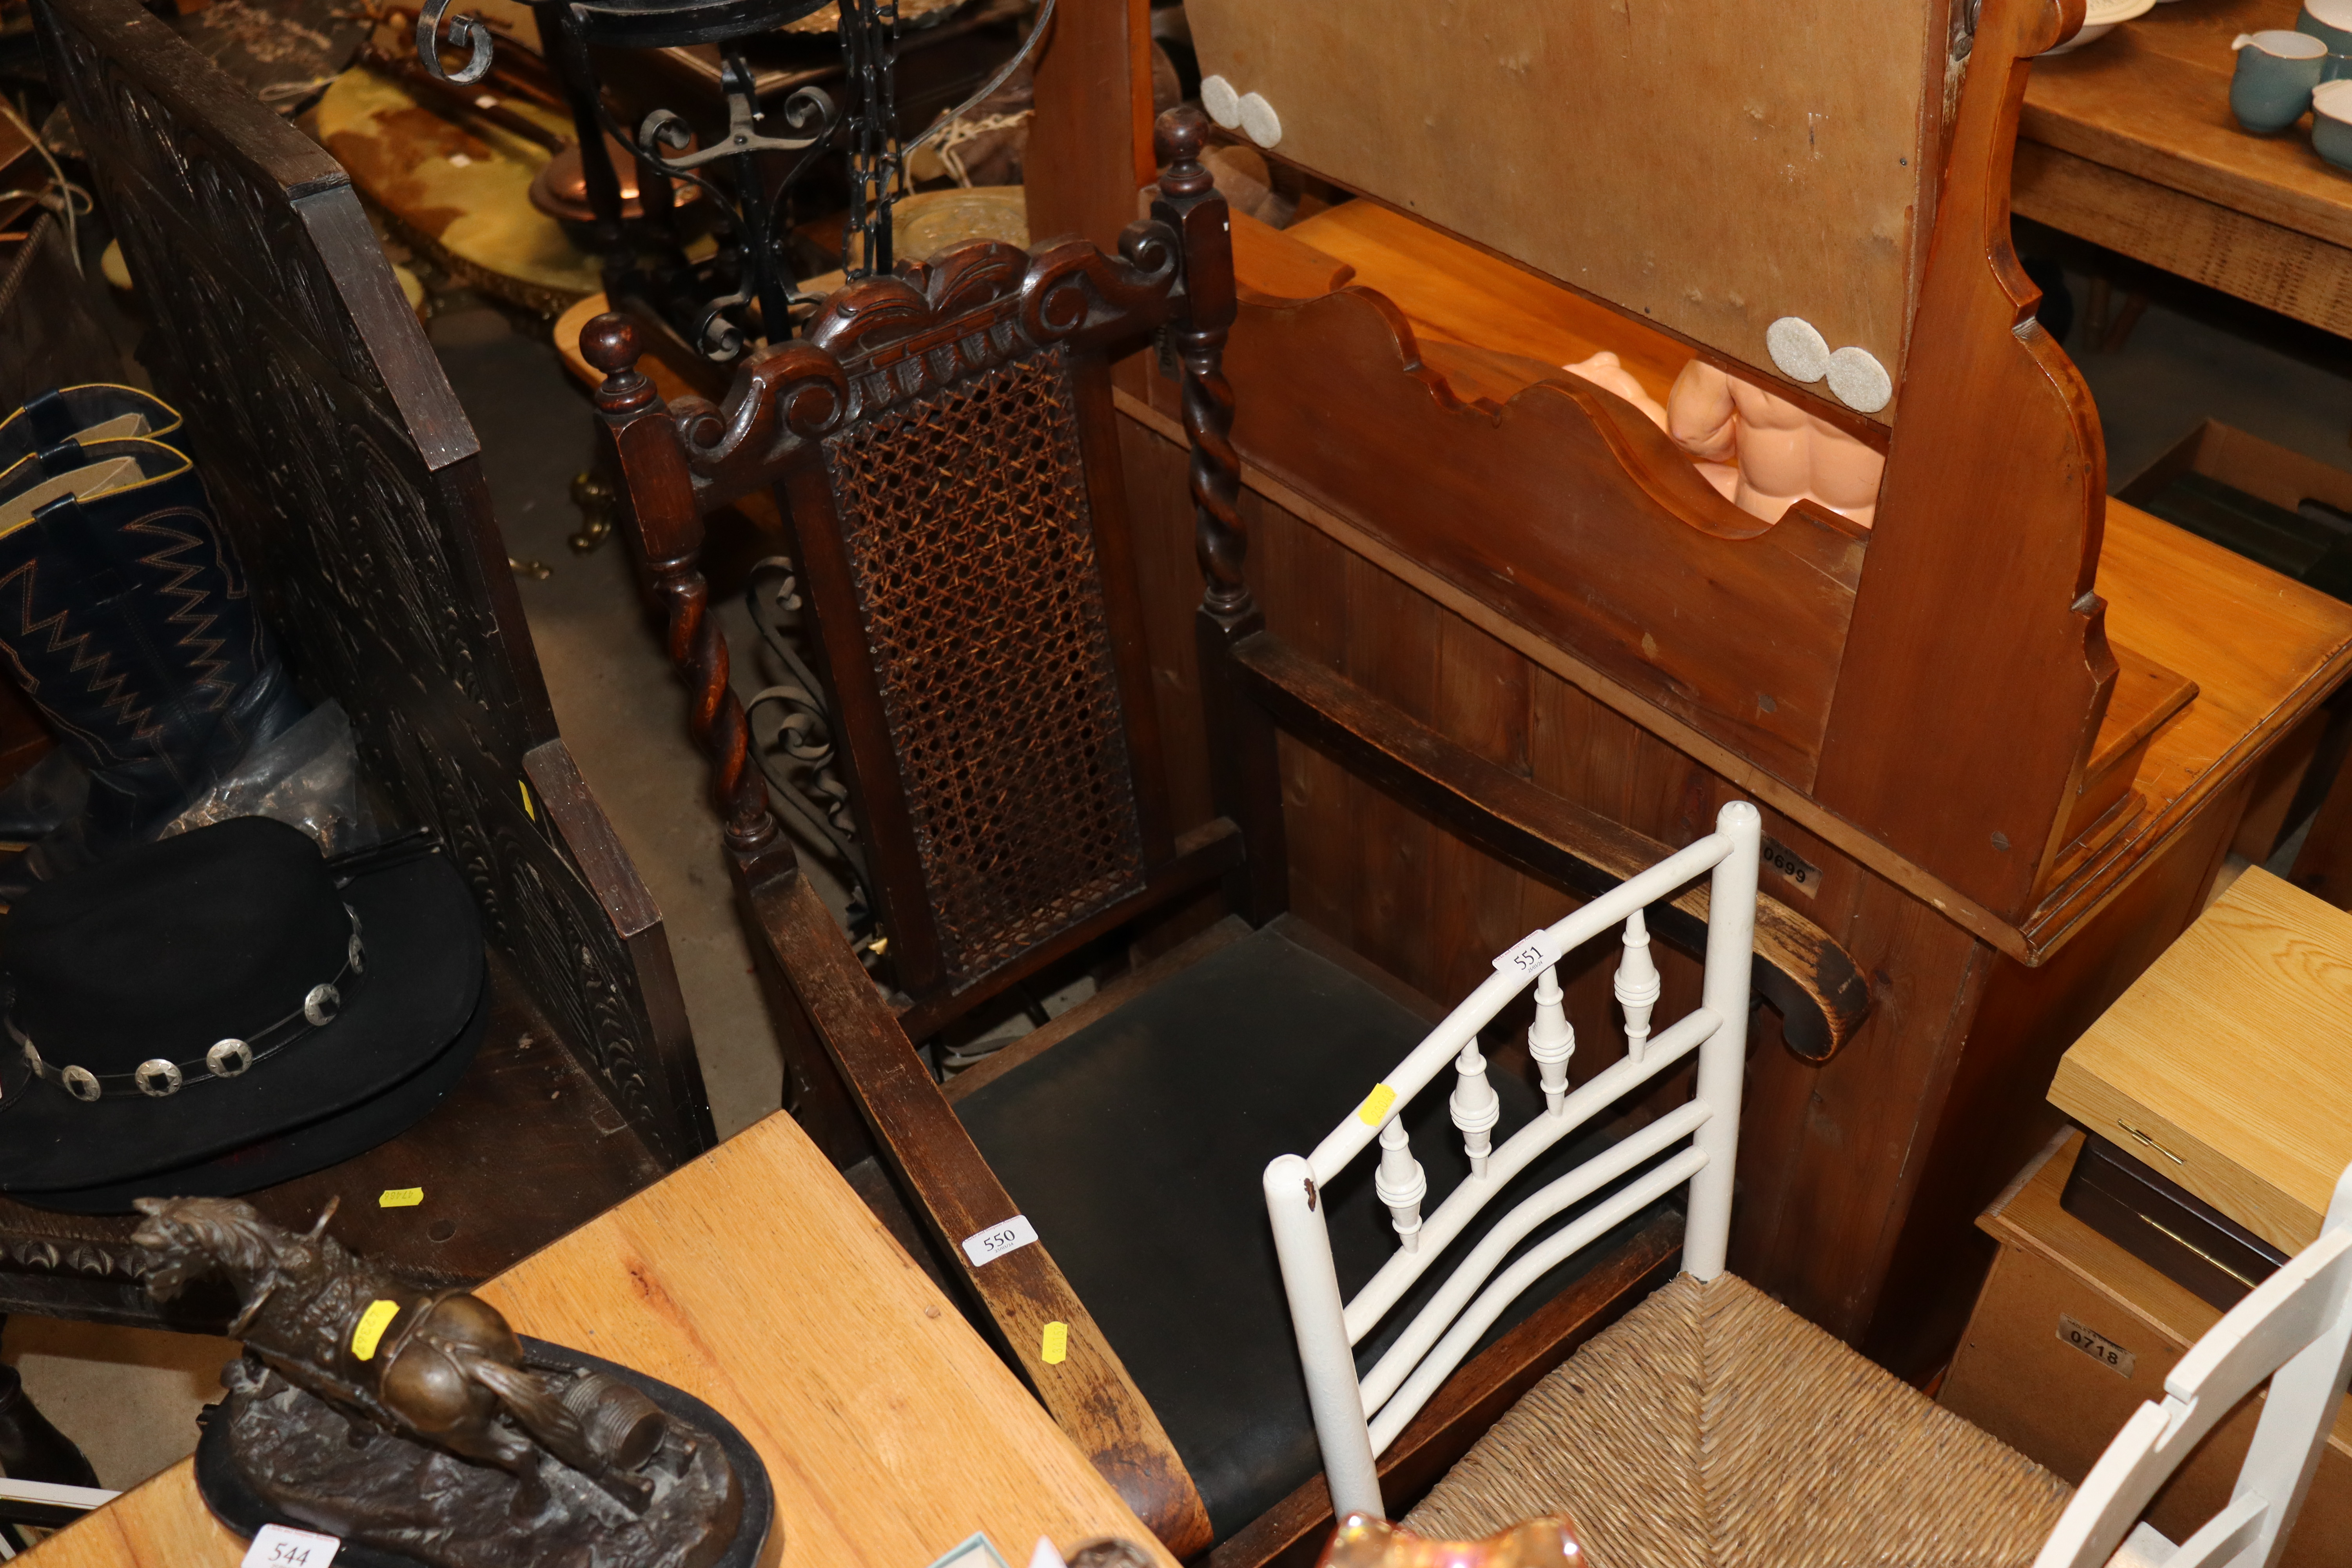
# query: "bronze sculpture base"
272, 1453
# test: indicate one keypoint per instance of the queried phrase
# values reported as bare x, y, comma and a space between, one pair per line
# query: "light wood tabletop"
2228, 1064
756, 1280
2128, 141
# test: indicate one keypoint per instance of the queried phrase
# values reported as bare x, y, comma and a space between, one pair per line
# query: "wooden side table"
756, 1280
2128, 143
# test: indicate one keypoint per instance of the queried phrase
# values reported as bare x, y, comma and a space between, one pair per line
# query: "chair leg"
2094, 313
30, 1448
2120, 331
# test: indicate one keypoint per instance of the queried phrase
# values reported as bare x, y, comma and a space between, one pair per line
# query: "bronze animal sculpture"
337, 1348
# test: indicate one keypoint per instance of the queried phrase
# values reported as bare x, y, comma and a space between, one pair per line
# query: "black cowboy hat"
224, 1010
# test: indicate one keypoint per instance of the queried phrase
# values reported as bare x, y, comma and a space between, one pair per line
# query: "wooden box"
2227, 1067
2261, 468
2072, 1334
2166, 1227
2247, 495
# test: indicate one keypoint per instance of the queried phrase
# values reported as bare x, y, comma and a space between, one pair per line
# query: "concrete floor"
130, 1397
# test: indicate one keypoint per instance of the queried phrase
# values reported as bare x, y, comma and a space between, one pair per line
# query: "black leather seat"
1173, 1104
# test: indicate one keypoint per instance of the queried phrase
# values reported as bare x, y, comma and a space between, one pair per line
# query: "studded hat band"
158, 1078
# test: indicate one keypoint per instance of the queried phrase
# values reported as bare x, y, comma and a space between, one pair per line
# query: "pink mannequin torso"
1763, 451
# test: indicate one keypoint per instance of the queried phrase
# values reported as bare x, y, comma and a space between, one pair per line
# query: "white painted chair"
2295, 1332
1356, 1419
1709, 1415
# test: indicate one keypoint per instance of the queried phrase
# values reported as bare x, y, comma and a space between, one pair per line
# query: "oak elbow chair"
943, 445
1625, 1490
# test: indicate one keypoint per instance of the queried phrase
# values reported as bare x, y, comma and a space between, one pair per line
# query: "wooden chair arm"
1089, 1391
1821, 996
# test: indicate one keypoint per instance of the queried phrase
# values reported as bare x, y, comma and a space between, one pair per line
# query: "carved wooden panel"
1709, 164
351, 482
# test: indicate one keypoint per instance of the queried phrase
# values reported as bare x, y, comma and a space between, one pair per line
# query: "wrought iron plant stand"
745, 292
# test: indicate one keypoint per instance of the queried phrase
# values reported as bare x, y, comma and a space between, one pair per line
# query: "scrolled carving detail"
797, 392
1072, 287
1151, 247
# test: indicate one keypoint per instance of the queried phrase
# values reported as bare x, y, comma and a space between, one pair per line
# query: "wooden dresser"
2002, 739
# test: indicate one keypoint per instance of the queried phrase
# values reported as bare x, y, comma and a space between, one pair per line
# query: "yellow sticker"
400, 1197
372, 1323
1056, 1346
528, 809
1375, 1108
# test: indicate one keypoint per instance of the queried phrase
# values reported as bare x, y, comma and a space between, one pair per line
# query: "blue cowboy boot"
99, 411
51, 792
125, 618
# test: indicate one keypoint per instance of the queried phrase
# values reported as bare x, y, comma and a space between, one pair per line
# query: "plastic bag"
308, 777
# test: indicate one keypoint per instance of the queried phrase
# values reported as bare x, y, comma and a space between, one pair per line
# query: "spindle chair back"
2294, 1333
1356, 1418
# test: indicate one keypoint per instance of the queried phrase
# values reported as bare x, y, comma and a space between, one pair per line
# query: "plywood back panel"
1711, 165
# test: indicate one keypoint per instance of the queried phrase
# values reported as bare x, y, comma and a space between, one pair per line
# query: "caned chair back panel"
980, 599
960, 524
2295, 1333
351, 482
1356, 1418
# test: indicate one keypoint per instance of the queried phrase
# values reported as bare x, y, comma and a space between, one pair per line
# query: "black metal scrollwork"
792, 736
465, 32
711, 303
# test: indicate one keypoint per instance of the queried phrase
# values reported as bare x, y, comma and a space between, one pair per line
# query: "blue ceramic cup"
2331, 123
2276, 71
2329, 21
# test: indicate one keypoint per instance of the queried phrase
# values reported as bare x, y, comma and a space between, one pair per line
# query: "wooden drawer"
2227, 1067
2072, 1334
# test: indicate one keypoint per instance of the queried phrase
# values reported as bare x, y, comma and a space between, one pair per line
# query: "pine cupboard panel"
1544, 130
1824, 1149
1860, 1178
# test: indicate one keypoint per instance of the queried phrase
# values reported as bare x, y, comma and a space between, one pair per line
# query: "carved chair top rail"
879, 342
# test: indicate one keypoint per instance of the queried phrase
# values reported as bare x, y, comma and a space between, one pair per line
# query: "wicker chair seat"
1712, 1426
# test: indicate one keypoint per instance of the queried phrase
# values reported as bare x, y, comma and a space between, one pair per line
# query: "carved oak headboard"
351, 483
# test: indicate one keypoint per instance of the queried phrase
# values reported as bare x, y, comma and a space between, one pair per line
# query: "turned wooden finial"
1177, 138
610, 343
